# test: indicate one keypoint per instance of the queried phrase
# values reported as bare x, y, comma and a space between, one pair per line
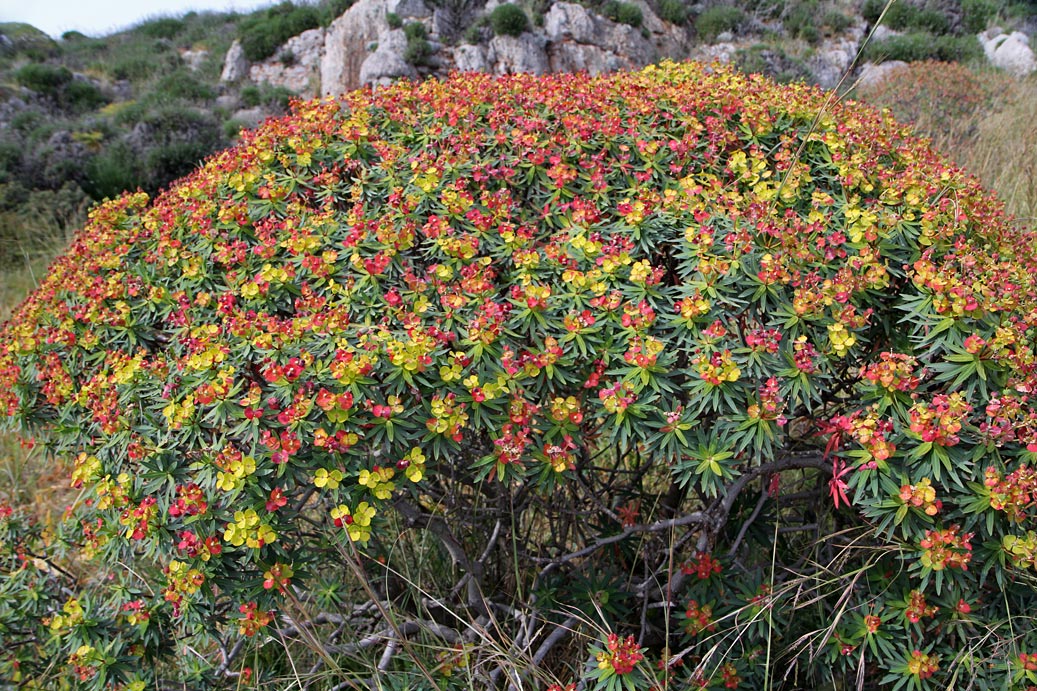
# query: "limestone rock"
882, 32
835, 56
348, 41
235, 64
296, 66
386, 63
582, 40
469, 58
1011, 52
573, 57
250, 117
569, 21
194, 58
716, 52
517, 54
872, 74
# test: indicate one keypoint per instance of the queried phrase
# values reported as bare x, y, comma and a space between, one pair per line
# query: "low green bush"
330, 10
801, 20
716, 20
43, 78
771, 61
262, 33
180, 85
74, 37
673, 11
82, 96
976, 14
162, 27
916, 47
277, 97
393, 20
906, 16
623, 13
508, 20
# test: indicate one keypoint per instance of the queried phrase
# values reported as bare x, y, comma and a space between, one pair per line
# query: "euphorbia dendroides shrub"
676, 376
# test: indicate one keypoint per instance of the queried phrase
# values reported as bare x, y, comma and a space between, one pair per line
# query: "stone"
715, 52
235, 64
295, 66
569, 21
386, 63
194, 59
250, 117
882, 32
1010, 52
834, 56
872, 74
346, 45
470, 58
574, 57
519, 54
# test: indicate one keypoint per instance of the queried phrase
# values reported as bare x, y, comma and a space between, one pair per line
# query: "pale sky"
100, 17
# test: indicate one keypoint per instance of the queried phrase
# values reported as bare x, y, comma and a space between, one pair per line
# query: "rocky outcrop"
386, 63
296, 66
354, 36
581, 40
1011, 52
194, 59
517, 54
235, 64
834, 57
872, 74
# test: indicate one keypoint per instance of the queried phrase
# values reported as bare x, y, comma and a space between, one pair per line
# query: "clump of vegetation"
918, 47
673, 11
623, 13
716, 20
691, 358
275, 97
509, 20
772, 62
162, 27
262, 33
418, 51
906, 16
43, 78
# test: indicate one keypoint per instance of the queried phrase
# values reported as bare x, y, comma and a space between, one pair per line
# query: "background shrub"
716, 20
44, 79
771, 61
916, 47
976, 14
418, 50
706, 368
253, 95
508, 20
623, 13
181, 85
82, 96
261, 34
162, 27
673, 11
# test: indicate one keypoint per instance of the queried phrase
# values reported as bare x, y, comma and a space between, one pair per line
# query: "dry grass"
1003, 152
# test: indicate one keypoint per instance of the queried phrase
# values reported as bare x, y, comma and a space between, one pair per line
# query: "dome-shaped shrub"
457, 380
